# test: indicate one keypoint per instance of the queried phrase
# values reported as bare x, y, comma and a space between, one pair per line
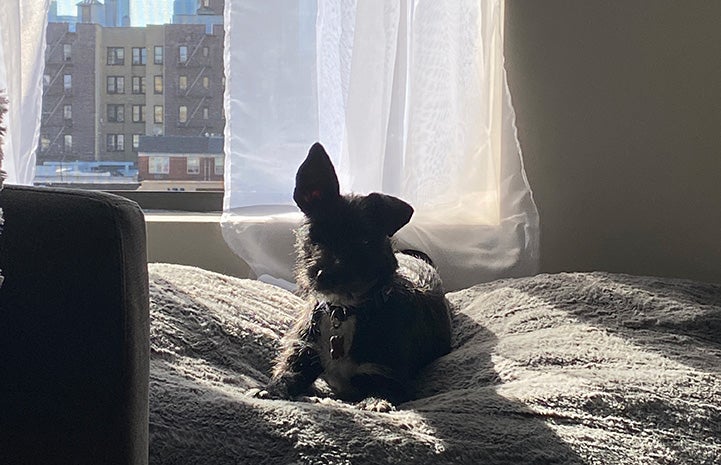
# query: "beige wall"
192, 239
619, 116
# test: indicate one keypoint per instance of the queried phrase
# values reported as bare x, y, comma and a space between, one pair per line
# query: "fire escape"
203, 66
55, 68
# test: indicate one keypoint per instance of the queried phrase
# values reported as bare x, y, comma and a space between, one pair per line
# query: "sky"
142, 12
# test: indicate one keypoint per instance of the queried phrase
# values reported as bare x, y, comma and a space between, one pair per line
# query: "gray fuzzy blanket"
586, 368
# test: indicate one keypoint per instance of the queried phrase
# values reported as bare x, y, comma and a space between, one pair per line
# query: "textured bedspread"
572, 368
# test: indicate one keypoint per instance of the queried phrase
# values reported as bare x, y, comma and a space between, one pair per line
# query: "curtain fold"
409, 97
22, 50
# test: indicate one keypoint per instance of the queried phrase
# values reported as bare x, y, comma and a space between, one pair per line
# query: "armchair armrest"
74, 342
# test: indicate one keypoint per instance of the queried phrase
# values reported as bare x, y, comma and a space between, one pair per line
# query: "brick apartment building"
191, 163
106, 87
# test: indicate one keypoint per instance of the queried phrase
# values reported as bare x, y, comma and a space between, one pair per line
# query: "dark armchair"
73, 328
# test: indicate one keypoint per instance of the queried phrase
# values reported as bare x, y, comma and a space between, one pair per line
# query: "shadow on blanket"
675, 318
212, 337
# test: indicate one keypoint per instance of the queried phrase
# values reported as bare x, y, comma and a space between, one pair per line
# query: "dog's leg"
298, 366
383, 392
296, 371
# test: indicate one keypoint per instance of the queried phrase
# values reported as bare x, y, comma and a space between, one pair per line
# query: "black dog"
374, 318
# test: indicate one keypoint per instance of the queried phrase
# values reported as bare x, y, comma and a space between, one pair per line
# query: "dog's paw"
375, 404
272, 391
257, 393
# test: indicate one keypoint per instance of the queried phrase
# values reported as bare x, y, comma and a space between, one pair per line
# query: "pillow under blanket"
568, 368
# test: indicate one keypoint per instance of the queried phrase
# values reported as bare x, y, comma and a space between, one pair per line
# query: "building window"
158, 55
138, 113
115, 142
206, 113
158, 114
68, 112
68, 82
116, 113
140, 55
193, 165
44, 142
115, 85
158, 165
183, 82
183, 54
183, 114
219, 167
136, 141
206, 82
158, 84
68, 143
138, 84
206, 3
67, 52
116, 55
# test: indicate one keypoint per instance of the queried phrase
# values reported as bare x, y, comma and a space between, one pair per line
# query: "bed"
591, 368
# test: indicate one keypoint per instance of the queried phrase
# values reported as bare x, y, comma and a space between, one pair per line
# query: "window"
136, 141
140, 55
116, 55
158, 55
115, 142
206, 3
116, 92
206, 82
206, 112
115, 85
158, 114
116, 113
138, 113
183, 114
219, 167
44, 142
193, 165
158, 165
138, 84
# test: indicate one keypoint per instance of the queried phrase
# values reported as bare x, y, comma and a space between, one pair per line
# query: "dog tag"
336, 347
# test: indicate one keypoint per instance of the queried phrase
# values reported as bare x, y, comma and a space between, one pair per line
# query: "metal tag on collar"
338, 315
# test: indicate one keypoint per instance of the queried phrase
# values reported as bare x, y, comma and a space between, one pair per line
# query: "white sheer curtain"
408, 97
22, 49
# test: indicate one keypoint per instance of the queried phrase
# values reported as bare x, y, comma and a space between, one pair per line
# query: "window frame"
115, 116
115, 80
164, 161
140, 58
138, 117
156, 60
158, 118
158, 89
140, 89
114, 58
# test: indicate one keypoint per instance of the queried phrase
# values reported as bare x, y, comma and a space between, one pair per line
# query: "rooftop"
180, 144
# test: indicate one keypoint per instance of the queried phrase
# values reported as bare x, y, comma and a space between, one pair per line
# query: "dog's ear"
391, 212
316, 184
